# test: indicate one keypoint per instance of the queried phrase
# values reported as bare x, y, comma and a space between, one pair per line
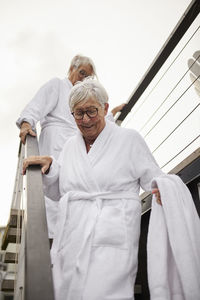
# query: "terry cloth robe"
50, 107
174, 243
94, 253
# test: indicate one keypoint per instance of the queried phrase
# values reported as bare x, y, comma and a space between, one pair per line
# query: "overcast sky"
39, 38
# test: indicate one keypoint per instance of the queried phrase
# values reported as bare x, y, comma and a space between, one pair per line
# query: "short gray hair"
80, 60
88, 88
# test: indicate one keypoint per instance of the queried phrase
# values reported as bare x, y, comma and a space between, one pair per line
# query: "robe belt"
85, 250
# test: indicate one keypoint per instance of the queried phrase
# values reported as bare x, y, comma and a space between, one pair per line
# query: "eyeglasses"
91, 112
83, 73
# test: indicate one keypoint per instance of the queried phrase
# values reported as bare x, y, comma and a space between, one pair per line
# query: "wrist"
47, 171
25, 124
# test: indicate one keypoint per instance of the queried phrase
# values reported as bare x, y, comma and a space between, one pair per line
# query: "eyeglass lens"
91, 113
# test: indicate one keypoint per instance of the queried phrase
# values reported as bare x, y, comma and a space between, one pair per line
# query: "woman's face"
91, 127
78, 74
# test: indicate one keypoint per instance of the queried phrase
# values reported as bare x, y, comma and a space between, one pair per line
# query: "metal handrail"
34, 267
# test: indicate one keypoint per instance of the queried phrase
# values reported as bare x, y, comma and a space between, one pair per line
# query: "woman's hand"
117, 109
43, 161
157, 194
24, 130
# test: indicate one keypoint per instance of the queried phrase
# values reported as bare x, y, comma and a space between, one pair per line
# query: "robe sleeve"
145, 165
110, 117
51, 180
43, 103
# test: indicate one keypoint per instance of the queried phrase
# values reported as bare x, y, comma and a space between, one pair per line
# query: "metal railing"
180, 29
166, 102
38, 273
33, 278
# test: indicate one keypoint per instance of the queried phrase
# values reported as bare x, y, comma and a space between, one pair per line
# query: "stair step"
8, 296
14, 215
10, 236
11, 257
7, 285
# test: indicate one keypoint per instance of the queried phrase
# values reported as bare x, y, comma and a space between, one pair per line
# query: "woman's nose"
85, 117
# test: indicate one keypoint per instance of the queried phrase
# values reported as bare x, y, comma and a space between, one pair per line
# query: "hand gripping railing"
34, 276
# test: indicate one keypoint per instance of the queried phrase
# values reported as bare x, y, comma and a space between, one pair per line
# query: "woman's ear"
71, 69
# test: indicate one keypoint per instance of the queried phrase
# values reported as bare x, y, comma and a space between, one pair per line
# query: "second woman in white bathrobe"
50, 107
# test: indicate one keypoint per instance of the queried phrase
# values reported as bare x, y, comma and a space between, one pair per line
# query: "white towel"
173, 244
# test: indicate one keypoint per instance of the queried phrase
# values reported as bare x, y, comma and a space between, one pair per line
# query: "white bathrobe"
95, 249
50, 107
174, 243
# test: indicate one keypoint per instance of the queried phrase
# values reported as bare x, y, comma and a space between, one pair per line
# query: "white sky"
39, 39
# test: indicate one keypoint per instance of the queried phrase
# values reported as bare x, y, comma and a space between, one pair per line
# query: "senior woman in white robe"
50, 107
97, 179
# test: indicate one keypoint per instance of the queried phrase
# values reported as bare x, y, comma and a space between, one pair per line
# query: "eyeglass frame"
83, 112
83, 73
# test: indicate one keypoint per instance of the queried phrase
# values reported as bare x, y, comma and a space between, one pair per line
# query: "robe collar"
67, 82
101, 141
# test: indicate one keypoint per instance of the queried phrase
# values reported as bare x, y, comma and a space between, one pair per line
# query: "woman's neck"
89, 143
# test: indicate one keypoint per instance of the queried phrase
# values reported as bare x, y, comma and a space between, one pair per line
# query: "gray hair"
80, 60
88, 88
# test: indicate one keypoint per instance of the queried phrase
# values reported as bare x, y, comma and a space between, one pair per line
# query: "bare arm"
117, 109
43, 161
